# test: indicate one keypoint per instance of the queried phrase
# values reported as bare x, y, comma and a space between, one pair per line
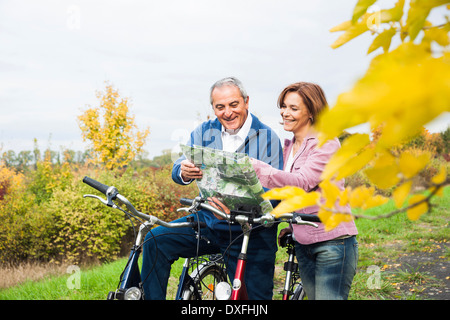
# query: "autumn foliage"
111, 130
403, 89
45, 217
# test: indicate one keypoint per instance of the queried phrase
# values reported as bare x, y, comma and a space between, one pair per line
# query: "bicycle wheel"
299, 293
206, 276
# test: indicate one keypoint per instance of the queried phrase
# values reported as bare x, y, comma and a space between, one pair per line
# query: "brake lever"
300, 221
104, 201
193, 207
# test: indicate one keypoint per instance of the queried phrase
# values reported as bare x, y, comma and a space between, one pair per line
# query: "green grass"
380, 241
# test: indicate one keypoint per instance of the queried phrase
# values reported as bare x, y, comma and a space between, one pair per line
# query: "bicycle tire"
299, 293
204, 285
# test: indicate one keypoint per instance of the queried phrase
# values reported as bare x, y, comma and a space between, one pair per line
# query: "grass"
381, 242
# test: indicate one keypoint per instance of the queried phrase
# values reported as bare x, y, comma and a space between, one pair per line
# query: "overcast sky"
164, 56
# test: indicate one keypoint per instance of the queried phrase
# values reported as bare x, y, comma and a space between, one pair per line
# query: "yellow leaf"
361, 8
349, 149
374, 201
296, 203
415, 212
441, 176
342, 26
324, 215
439, 192
400, 193
330, 192
383, 177
332, 220
418, 13
410, 165
382, 40
283, 193
384, 159
360, 195
438, 34
351, 31
393, 14
344, 197
393, 92
356, 163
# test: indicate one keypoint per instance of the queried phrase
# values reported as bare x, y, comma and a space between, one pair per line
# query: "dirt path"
426, 274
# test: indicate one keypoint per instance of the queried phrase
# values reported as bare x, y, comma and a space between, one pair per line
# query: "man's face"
229, 106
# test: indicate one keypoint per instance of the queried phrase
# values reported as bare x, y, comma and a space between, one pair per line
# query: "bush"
23, 231
45, 217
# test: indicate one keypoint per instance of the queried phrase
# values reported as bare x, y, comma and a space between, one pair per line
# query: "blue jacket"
262, 143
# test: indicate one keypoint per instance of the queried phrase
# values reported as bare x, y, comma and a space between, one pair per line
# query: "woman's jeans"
163, 246
327, 268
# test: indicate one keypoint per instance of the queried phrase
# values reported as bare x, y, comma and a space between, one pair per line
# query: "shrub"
45, 217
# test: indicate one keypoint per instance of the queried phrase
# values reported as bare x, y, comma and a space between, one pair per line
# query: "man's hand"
214, 202
189, 171
283, 232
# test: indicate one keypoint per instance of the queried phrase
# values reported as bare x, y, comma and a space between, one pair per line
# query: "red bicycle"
247, 218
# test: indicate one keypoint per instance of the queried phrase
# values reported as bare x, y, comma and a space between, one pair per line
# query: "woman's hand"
283, 232
214, 202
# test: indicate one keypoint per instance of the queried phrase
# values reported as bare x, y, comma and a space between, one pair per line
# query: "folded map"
228, 176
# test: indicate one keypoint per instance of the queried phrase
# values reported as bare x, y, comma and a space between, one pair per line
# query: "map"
228, 176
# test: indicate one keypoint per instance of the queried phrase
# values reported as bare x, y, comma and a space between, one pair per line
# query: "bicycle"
293, 287
194, 286
191, 286
246, 217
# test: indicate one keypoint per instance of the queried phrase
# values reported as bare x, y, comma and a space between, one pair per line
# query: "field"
399, 260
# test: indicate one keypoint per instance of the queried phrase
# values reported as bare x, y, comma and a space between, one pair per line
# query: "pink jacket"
305, 172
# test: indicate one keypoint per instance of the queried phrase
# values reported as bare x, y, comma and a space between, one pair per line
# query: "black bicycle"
293, 287
199, 275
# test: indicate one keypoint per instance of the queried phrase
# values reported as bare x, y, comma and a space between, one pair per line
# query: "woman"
327, 260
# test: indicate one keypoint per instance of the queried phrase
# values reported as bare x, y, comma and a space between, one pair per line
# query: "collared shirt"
233, 139
289, 161
305, 172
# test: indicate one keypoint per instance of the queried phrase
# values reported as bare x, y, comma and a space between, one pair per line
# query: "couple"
327, 260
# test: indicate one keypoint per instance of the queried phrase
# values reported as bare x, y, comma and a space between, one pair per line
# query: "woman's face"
294, 112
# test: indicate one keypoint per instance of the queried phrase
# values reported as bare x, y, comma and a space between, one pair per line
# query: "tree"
402, 90
111, 130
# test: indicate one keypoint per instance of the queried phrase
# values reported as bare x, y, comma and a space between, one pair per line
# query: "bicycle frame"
290, 267
245, 219
239, 289
131, 277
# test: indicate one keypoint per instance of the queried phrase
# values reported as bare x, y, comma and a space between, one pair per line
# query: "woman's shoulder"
329, 144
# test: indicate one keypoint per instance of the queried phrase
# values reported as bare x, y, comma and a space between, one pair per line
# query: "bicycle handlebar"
266, 219
96, 185
112, 194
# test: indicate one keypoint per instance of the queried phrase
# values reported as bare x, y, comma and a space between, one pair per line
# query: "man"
234, 130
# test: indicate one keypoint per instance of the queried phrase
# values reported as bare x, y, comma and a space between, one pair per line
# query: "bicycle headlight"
133, 294
223, 291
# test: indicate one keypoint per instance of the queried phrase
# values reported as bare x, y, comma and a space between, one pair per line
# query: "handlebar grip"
186, 202
96, 185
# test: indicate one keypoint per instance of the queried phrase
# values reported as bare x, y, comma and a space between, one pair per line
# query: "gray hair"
229, 81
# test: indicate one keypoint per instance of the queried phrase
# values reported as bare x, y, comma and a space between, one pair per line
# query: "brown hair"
312, 95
